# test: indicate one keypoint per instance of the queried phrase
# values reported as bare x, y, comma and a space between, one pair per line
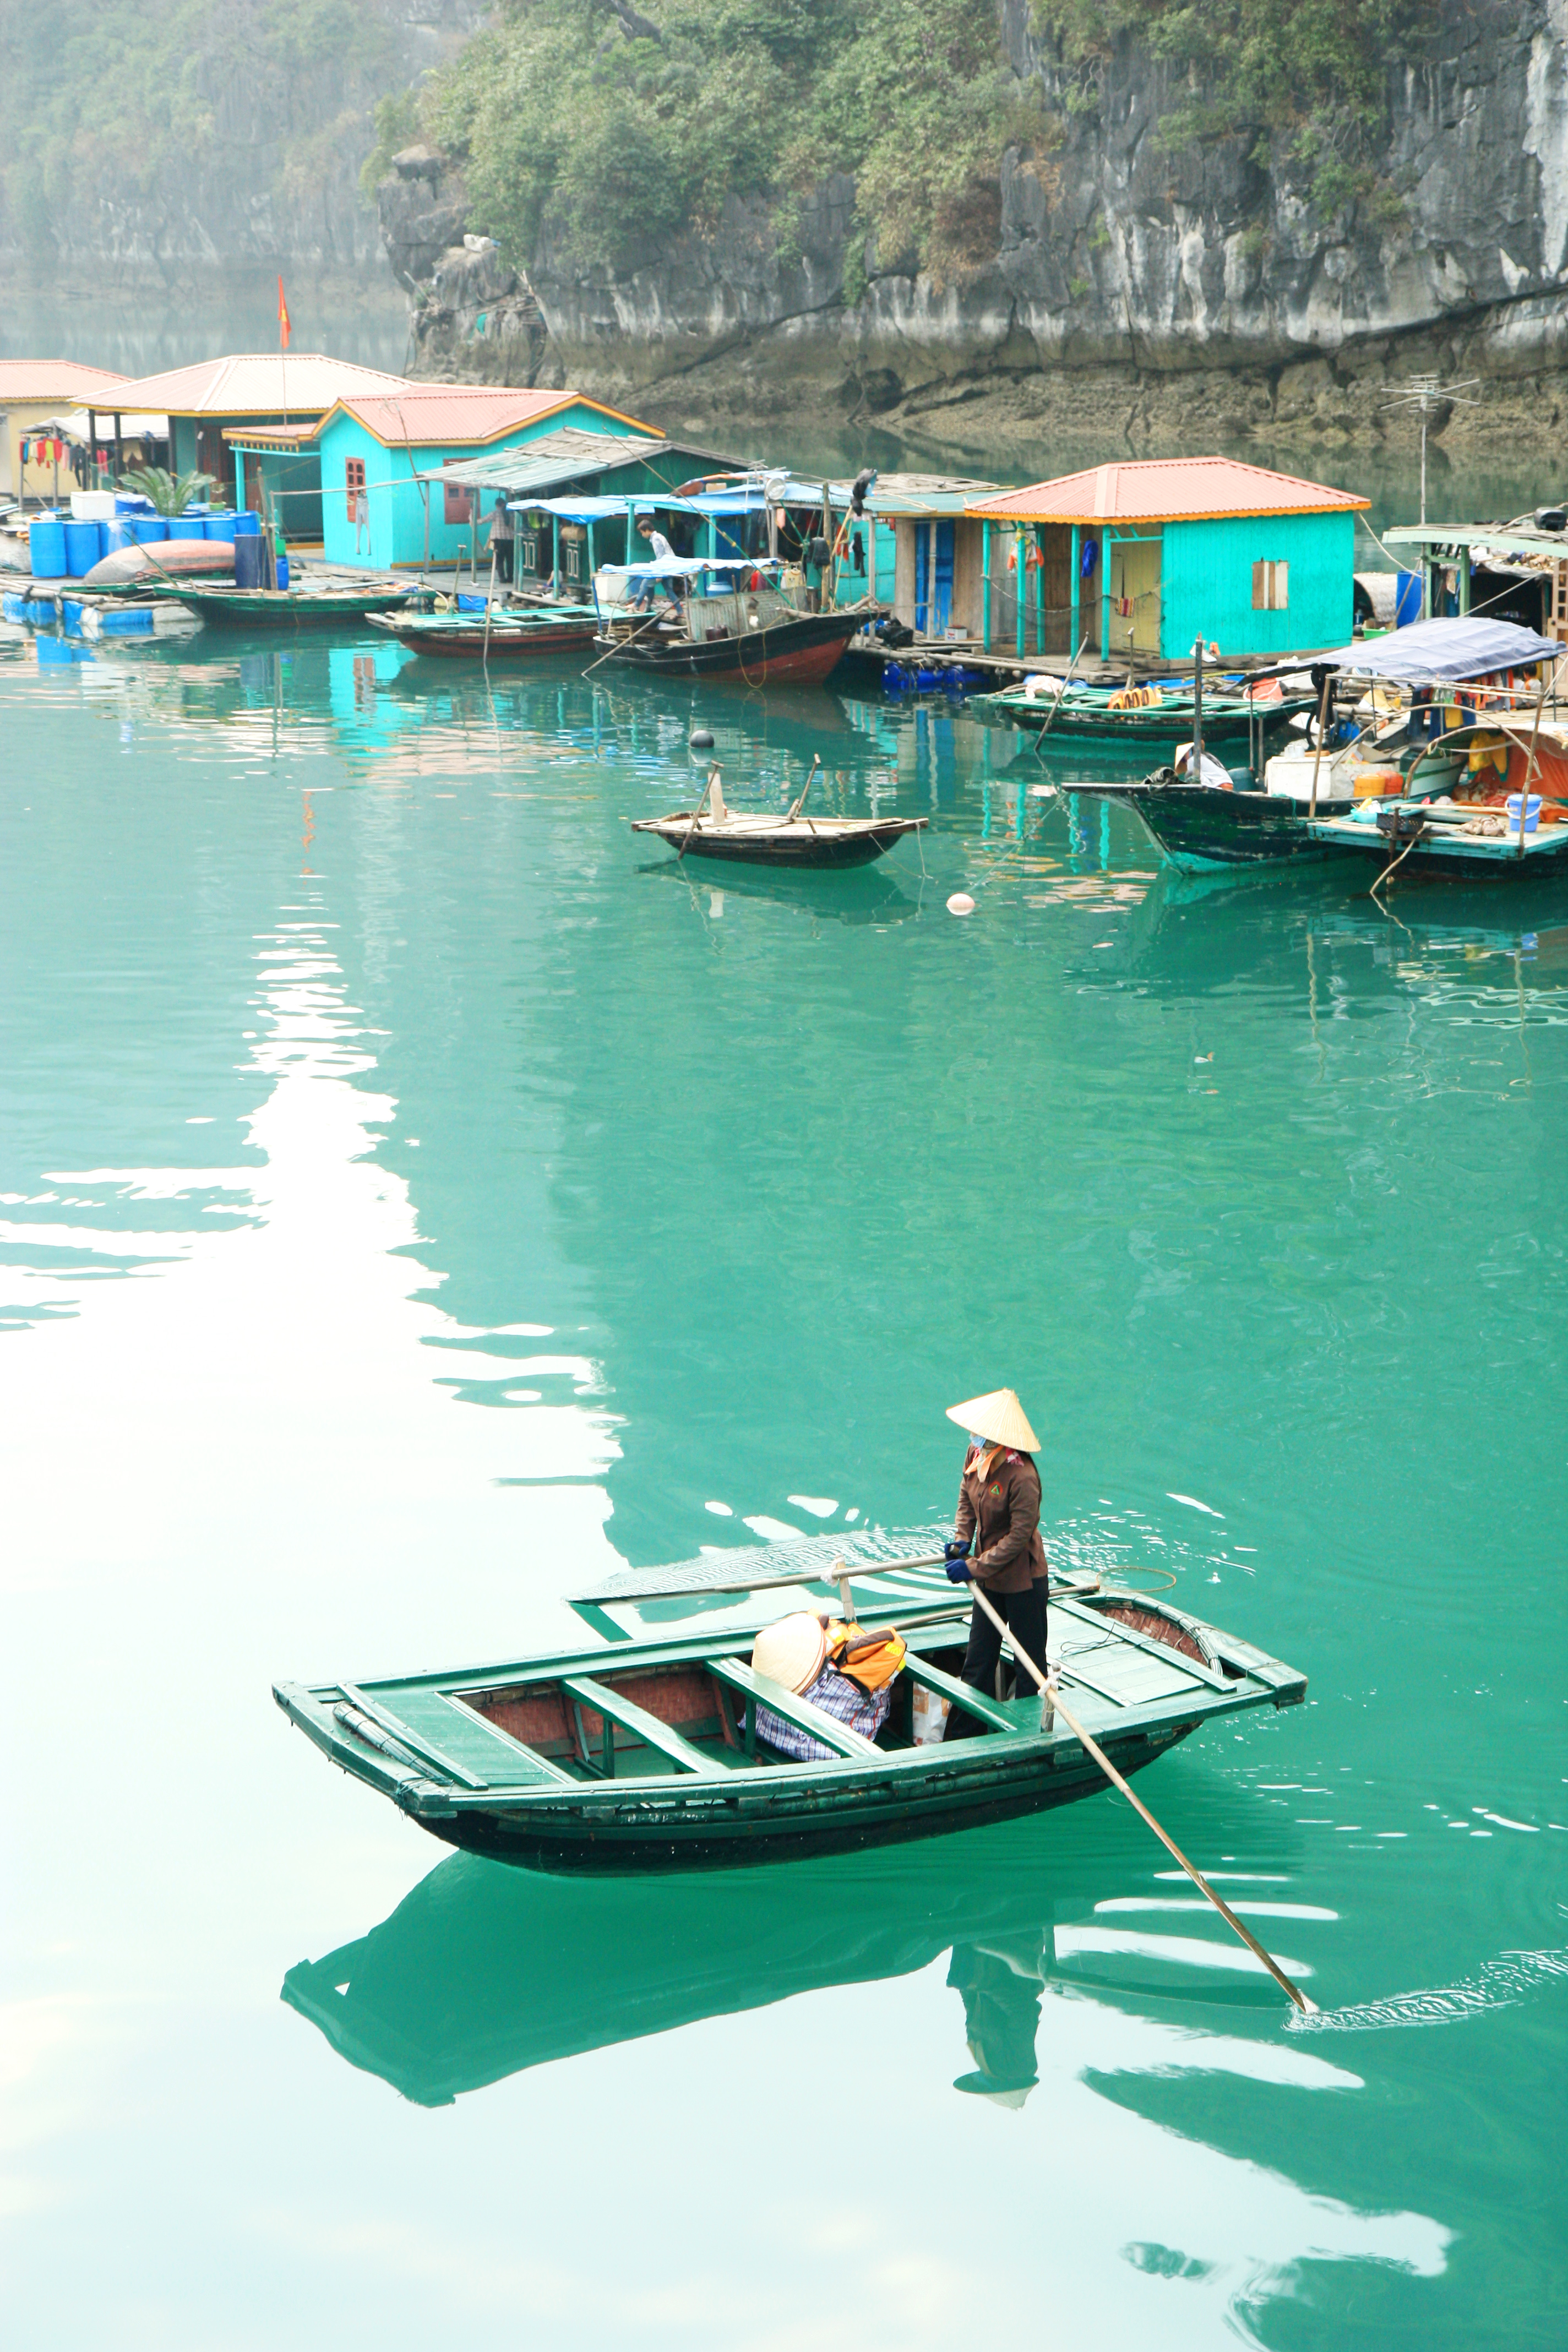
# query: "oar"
1092, 1748
652, 619
696, 812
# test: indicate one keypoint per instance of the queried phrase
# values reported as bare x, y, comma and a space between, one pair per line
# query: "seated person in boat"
996, 1543
847, 1673
660, 547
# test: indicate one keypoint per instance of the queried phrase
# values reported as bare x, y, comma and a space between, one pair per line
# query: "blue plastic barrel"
247, 524
186, 526
282, 569
220, 525
247, 558
46, 545
147, 528
116, 533
1406, 598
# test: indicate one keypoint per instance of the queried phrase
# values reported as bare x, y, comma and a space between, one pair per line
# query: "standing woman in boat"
996, 1542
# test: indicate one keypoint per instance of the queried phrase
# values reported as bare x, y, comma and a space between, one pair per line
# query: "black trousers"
1024, 1614
503, 548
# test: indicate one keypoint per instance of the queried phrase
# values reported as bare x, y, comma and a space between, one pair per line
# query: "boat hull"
1157, 733
504, 644
796, 653
1199, 830
800, 852
280, 608
978, 1792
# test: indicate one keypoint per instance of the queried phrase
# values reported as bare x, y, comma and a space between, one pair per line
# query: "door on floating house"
934, 578
1134, 597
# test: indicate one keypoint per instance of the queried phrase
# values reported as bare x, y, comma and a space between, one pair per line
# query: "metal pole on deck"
1197, 773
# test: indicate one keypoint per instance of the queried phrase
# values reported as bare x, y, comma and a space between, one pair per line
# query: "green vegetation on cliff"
628, 125
612, 123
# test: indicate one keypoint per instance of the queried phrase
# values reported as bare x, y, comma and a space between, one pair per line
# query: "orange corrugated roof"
257, 383
1166, 490
428, 414
53, 380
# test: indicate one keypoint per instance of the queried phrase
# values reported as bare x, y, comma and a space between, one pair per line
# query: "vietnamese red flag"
282, 318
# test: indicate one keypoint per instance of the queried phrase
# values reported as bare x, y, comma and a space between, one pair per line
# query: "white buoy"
961, 903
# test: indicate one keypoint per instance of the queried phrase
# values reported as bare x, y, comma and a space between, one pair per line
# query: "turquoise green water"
417, 1197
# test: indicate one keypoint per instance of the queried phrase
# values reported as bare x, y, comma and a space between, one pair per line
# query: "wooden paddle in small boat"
713, 830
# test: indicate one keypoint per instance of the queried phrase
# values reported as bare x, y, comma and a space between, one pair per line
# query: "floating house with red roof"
377, 449
1144, 557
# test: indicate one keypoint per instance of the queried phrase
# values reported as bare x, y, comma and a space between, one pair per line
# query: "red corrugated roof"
257, 383
1166, 490
432, 414
52, 380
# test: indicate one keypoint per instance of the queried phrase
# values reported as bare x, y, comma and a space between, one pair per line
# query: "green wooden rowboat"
641, 1752
280, 608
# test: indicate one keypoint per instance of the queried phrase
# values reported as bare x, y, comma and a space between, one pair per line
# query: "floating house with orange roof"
1144, 557
32, 394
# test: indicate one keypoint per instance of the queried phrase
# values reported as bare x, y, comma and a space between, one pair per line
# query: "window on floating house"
1270, 587
353, 474
459, 505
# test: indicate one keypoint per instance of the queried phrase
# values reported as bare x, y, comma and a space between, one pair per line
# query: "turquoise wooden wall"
1206, 579
394, 532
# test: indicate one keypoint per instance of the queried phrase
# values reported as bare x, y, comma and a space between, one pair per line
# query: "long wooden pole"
1092, 1748
1318, 754
697, 813
1529, 770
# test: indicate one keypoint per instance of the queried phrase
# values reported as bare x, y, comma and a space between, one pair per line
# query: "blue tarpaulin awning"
1443, 652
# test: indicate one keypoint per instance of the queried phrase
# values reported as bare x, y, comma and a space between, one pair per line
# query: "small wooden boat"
515, 632
1152, 720
280, 608
1452, 817
712, 830
640, 1751
813, 841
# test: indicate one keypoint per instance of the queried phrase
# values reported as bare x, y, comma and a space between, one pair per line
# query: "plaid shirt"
864, 1711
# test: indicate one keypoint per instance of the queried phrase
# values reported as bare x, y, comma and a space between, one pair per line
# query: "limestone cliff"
1169, 288
174, 144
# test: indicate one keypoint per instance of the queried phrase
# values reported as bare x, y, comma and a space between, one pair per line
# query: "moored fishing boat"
1152, 719
512, 632
1445, 670
746, 626
300, 608
643, 1752
1459, 808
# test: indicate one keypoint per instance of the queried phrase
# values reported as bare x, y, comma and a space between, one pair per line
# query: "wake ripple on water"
1499, 1983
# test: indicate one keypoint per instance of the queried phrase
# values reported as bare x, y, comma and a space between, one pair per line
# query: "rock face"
474, 320
1130, 284
263, 175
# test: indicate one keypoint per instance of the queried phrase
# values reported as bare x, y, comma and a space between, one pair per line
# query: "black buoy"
702, 741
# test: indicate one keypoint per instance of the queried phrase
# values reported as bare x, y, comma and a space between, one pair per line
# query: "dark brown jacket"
1004, 1517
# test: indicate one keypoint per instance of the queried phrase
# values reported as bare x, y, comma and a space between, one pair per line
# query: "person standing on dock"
501, 539
996, 1542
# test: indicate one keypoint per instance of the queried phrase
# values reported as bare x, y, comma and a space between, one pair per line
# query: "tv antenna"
1424, 393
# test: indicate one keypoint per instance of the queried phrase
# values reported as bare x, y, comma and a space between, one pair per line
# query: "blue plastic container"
1406, 598
128, 502
128, 621
46, 545
247, 524
1531, 813
115, 534
220, 526
186, 526
282, 569
146, 529
247, 556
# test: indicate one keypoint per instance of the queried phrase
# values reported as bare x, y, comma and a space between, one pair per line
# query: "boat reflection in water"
482, 1971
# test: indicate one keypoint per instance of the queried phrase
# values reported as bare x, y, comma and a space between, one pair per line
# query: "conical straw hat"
998, 1417
791, 1652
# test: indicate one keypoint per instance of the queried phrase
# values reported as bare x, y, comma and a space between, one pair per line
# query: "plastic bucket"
1531, 813
145, 528
186, 526
219, 526
247, 524
247, 558
46, 545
